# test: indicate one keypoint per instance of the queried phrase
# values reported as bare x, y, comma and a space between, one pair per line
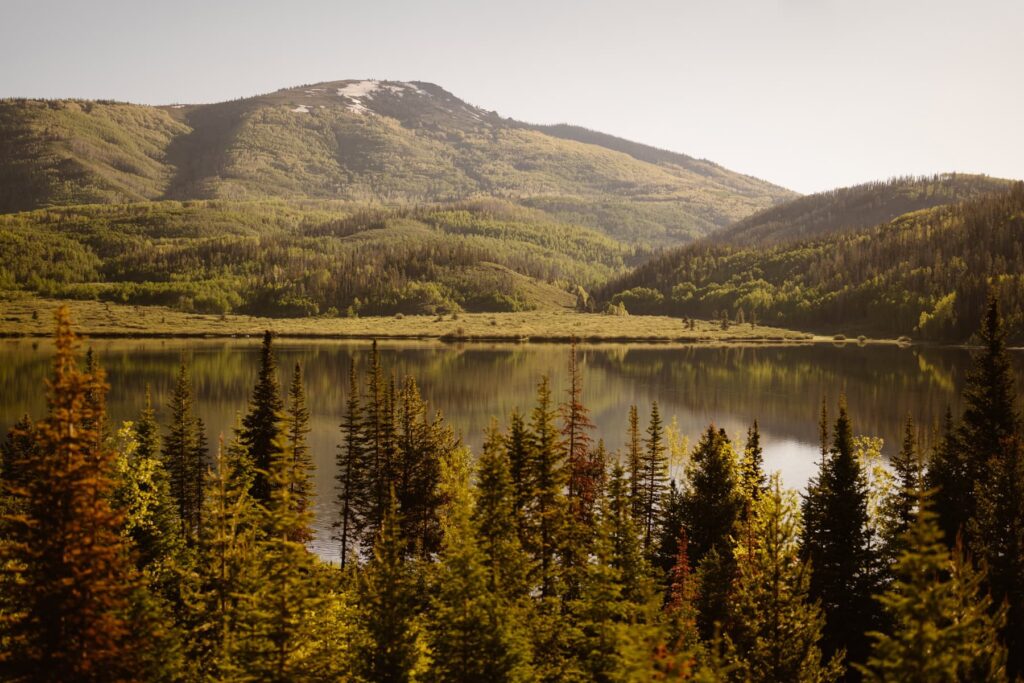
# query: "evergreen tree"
774, 627
584, 473
712, 506
143, 497
943, 626
837, 541
948, 476
65, 577
713, 500
226, 570
520, 467
184, 455
473, 633
351, 475
654, 470
274, 617
262, 425
389, 651
634, 459
422, 444
19, 446
671, 526
752, 476
296, 429
496, 521
547, 510
901, 507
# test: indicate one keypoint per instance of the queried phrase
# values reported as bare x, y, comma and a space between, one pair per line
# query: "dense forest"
847, 209
308, 258
140, 552
924, 274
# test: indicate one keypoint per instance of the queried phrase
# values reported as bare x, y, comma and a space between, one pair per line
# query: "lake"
781, 387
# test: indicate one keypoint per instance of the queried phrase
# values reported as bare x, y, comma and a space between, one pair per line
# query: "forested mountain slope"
370, 141
307, 257
851, 208
923, 274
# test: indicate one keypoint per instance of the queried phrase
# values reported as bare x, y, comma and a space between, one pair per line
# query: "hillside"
366, 141
923, 274
310, 257
852, 208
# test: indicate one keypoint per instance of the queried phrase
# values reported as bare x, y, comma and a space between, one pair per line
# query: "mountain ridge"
361, 140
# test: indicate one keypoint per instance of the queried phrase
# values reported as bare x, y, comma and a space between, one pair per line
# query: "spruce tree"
584, 474
262, 425
943, 626
634, 459
948, 476
65, 576
774, 627
296, 429
143, 497
837, 541
351, 476
520, 468
901, 507
389, 651
226, 571
473, 632
547, 509
654, 471
496, 521
753, 480
274, 617
183, 454
712, 507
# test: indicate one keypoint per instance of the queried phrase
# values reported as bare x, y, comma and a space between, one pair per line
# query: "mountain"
367, 141
922, 274
848, 209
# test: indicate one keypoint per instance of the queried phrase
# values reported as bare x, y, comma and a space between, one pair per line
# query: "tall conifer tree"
296, 428
351, 475
65, 576
837, 541
262, 425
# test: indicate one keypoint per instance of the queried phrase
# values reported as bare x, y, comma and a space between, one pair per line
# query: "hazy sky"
809, 94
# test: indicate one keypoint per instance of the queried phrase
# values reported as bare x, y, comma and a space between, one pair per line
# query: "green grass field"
31, 316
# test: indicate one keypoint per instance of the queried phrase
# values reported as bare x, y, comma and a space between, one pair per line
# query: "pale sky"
809, 94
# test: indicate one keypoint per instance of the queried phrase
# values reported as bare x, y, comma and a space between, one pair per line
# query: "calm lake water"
780, 387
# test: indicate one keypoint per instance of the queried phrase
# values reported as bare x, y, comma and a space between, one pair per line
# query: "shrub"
839, 337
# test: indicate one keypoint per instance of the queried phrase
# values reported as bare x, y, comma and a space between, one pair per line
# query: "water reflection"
781, 387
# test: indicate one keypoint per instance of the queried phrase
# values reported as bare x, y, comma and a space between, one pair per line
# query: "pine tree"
713, 500
351, 476
516, 443
547, 509
19, 446
183, 455
496, 521
296, 429
712, 506
634, 458
753, 480
143, 497
654, 470
226, 570
584, 474
275, 616
901, 507
422, 444
65, 578
671, 526
262, 425
473, 633
943, 626
948, 476
837, 541
774, 628
389, 651
378, 478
